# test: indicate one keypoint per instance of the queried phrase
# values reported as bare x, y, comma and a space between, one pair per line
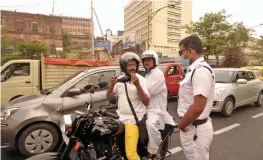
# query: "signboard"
101, 45
129, 40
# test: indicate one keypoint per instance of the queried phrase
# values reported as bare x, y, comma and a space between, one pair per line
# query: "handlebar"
107, 113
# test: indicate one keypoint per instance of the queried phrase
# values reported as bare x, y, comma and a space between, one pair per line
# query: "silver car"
31, 123
236, 87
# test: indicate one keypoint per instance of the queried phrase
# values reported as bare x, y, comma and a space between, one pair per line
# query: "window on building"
19, 26
34, 26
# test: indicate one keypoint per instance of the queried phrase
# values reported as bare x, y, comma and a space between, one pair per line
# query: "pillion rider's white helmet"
151, 54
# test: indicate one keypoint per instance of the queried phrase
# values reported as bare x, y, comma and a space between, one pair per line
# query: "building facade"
77, 26
165, 27
80, 30
29, 27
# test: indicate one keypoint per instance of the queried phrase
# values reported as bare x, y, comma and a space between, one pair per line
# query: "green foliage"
32, 50
218, 35
66, 40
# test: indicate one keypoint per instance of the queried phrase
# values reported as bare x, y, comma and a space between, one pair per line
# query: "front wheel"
259, 102
38, 138
228, 107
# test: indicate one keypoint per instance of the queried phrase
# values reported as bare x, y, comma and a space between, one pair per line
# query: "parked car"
31, 123
258, 70
236, 87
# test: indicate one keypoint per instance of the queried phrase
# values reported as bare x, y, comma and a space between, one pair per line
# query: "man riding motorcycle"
157, 115
139, 97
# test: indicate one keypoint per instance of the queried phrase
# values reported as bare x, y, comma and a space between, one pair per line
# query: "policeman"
157, 115
195, 101
139, 97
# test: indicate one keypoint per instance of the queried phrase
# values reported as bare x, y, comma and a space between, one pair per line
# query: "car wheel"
38, 138
259, 102
228, 107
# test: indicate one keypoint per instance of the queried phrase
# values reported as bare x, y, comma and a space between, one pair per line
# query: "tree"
237, 38
5, 43
234, 59
236, 41
212, 29
66, 39
32, 50
259, 53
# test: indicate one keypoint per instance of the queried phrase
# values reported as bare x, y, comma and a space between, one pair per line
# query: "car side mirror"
241, 81
73, 92
2, 78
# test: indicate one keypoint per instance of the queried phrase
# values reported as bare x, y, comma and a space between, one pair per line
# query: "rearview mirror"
112, 98
241, 81
74, 92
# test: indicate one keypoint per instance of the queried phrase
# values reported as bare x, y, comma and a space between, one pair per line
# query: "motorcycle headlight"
7, 113
66, 123
219, 91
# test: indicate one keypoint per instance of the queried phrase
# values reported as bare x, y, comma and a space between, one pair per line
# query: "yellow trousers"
131, 141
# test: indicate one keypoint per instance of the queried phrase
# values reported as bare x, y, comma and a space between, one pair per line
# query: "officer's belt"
198, 121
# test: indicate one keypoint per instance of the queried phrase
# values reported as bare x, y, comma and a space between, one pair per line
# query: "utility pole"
92, 26
103, 35
53, 30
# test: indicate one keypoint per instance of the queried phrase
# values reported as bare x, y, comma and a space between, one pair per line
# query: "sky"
111, 12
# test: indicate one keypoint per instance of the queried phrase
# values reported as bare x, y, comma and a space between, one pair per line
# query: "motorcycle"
98, 135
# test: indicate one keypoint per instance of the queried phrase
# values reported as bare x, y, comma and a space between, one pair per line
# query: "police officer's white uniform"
200, 83
157, 115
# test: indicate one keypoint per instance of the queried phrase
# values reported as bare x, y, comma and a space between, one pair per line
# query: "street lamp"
256, 26
150, 17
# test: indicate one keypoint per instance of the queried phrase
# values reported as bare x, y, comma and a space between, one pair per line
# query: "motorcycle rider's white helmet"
151, 54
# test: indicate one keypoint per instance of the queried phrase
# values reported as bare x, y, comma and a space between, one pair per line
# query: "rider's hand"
113, 81
135, 80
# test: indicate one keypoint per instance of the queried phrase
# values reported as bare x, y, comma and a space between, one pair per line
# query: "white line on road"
174, 150
226, 129
257, 115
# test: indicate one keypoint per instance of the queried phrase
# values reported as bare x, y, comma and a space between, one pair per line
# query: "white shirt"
158, 96
124, 111
202, 83
157, 90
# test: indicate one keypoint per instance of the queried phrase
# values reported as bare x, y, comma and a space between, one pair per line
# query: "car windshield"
162, 67
223, 76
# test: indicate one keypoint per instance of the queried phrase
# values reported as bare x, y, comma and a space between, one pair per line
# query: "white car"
236, 87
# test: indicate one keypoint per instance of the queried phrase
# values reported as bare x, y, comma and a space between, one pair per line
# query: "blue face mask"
185, 61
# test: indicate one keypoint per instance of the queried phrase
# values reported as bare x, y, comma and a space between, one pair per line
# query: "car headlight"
7, 113
219, 91
66, 123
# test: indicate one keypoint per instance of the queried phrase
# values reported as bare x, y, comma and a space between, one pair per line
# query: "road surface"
239, 137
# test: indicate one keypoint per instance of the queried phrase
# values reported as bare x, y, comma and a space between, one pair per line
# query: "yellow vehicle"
258, 70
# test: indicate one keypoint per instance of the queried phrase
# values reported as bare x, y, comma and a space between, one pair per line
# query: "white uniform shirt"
202, 83
124, 110
158, 96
